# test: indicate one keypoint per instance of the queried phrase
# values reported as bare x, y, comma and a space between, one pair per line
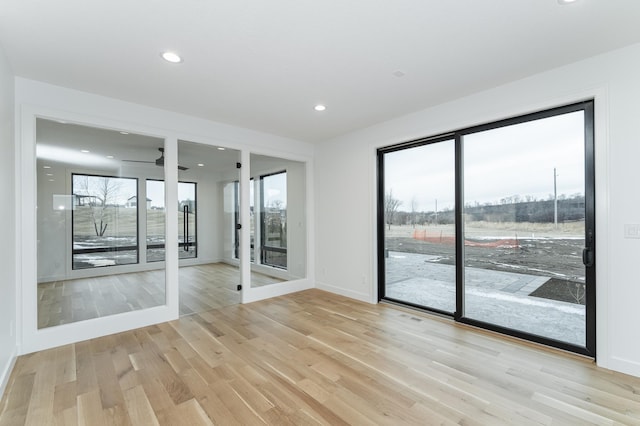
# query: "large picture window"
105, 221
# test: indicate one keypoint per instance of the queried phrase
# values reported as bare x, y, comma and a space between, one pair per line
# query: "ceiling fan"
158, 162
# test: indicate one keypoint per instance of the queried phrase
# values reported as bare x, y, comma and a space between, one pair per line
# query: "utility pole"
436, 211
555, 199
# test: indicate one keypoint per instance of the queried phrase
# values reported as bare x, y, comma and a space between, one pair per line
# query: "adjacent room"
101, 252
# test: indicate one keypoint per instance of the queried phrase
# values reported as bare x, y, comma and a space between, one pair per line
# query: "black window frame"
264, 248
108, 249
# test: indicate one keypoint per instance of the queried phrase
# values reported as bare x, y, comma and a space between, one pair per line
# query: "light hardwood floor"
202, 288
313, 358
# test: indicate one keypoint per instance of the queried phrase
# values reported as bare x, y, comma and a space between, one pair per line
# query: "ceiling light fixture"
46, 167
320, 107
566, 1
221, 148
200, 165
110, 157
124, 133
174, 58
85, 151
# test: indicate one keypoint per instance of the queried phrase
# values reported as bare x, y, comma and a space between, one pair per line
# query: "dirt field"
534, 249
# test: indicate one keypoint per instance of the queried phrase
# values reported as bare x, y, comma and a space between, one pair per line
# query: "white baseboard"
363, 297
6, 372
123, 269
620, 365
274, 290
51, 278
198, 261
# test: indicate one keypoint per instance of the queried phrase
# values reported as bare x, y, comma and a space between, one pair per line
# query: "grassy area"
123, 222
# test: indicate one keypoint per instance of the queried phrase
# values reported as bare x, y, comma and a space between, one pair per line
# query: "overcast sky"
275, 190
498, 163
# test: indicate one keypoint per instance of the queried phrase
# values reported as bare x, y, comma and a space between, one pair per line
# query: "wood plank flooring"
202, 288
313, 358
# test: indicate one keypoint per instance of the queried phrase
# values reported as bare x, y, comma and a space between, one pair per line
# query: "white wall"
345, 177
8, 348
53, 259
208, 219
296, 220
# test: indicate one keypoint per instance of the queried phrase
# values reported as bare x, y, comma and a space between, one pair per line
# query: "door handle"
587, 257
185, 224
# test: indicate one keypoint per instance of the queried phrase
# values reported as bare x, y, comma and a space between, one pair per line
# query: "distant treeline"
510, 209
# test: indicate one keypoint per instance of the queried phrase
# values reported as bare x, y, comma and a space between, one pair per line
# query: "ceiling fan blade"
158, 162
139, 161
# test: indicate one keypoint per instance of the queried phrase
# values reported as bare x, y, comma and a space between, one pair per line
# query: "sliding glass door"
515, 252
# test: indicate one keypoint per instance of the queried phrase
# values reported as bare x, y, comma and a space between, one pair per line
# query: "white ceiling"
61, 144
264, 64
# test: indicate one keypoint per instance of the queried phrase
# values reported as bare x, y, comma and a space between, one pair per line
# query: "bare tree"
391, 206
102, 193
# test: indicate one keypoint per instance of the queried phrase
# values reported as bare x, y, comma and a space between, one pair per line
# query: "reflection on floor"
202, 288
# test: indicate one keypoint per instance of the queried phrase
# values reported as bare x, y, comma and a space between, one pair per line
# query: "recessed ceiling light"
85, 151
62, 122
221, 148
319, 107
124, 133
200, 165
46, 167
49, 174
566, 1
110, 156
171, 57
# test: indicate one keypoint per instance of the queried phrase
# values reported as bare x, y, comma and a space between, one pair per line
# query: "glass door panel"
419, 226
524, 227
208, 214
